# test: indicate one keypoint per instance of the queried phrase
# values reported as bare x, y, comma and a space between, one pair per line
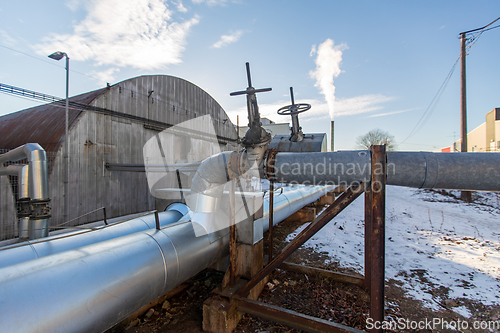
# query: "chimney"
332, 137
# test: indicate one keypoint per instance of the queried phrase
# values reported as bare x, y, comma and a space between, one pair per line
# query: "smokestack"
332, 137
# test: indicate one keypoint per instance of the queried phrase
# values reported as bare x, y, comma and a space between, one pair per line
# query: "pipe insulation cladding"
38, 185
94, 287
452, 171
30, 250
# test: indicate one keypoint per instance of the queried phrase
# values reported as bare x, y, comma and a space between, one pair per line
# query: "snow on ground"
432, 241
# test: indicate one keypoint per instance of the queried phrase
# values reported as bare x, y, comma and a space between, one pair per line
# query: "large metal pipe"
38, 183
22, 173
288, 200
30, 250
454, 171
91, 288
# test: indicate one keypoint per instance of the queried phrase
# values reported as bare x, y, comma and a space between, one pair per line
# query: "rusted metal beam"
333, 210
323, 273
368, 237
290, 318
232, 235
378, 235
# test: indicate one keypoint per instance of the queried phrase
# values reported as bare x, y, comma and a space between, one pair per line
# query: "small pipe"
271, 218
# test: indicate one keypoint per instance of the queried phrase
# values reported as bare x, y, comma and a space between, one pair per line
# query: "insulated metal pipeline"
454, 171
22, 173
288, 200
38, 181
30, 250
91, 288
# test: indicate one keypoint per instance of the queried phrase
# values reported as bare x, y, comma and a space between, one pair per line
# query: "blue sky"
372, 64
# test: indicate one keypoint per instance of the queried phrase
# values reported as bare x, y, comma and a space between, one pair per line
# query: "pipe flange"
269, 164
40, 209
23, 207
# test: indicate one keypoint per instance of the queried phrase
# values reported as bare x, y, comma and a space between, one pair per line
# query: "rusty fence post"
368, 237
378, 235
232, 235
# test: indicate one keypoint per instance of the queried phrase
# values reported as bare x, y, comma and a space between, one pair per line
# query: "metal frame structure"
373, 280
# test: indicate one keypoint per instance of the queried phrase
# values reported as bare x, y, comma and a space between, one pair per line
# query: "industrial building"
484, 139
109, 126
270, 126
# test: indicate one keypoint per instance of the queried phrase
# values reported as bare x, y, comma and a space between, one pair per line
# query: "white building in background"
484, 138
270, 126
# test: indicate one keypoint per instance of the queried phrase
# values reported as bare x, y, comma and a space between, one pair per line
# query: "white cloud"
327, 68
135, 33
6, 39
228, 39
391, 113
106, 76
319, 109
180, 7
73, 5
215, 2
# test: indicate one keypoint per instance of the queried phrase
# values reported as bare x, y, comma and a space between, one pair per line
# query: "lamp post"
58, 56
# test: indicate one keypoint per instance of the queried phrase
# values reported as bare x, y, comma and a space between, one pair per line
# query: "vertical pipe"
232, 235
368, 234
378, 235
23, 193
271, 219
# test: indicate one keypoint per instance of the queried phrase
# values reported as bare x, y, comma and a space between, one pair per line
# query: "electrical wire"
432, 106
157, 100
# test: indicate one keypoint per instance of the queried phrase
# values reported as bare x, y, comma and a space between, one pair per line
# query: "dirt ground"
344, 304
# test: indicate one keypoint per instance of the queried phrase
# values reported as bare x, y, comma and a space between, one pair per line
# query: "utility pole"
466, 195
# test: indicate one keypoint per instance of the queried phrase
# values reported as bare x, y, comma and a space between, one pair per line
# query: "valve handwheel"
294, 109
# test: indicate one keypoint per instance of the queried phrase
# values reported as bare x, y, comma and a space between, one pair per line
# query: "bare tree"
376, 137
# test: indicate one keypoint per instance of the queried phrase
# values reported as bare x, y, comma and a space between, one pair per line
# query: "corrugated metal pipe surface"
91, 288
30, 250
454, 171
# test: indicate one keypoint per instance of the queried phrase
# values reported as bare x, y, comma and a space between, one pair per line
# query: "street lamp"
58, 56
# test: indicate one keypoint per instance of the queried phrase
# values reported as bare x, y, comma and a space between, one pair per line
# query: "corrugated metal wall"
8, 227
97, 138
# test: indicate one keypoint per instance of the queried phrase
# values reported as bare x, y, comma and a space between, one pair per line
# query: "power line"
432, 106
87, 75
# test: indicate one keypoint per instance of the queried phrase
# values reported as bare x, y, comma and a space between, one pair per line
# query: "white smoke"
328, 58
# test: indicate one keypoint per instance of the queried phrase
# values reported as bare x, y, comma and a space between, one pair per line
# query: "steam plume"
328, 58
